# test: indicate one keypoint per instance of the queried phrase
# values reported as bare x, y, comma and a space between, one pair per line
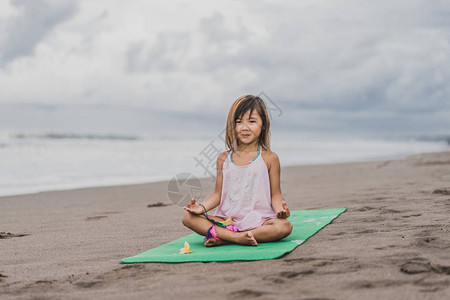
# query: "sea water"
34, 162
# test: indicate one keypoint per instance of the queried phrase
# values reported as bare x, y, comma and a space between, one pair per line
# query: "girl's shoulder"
270, 158
222, 156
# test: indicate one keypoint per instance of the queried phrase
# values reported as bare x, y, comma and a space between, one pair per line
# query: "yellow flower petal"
186, 249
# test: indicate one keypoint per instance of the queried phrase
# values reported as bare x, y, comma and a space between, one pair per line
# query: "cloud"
328, 64
35, 21
164, 55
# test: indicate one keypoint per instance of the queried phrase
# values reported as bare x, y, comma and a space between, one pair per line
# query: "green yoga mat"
306, 223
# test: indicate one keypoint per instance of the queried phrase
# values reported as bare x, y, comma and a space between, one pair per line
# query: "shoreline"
166, 181
392, 243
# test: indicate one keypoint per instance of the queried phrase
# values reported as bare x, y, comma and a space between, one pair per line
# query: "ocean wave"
40, 162
75, 136
436, 138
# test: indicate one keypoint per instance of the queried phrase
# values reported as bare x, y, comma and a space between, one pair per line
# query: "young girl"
251, 208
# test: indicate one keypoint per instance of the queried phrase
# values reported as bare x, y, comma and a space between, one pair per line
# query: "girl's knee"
286, 227
190, 220
289, 226
187, 219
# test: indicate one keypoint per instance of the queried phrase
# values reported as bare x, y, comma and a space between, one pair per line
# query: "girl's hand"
284, 212
194, 208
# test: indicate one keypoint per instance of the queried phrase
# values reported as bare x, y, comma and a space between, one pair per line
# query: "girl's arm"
278, 203
213, 199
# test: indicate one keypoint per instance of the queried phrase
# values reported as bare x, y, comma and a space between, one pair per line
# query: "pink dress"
246, 193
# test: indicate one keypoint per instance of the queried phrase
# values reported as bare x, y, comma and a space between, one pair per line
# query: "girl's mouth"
245, 135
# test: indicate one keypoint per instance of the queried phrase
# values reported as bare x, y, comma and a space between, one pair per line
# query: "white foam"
35, 164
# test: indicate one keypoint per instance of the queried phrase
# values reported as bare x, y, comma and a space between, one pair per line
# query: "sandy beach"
392, 243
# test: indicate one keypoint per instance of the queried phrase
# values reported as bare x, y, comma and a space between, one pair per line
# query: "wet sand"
392, 243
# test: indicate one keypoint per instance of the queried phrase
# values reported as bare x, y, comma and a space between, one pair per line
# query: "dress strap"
259, 152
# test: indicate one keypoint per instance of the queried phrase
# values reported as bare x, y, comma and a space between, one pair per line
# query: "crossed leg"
200, 224
272, 230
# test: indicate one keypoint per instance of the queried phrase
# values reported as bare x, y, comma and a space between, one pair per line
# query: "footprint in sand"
315, 299
157, 204
366, 231
409, 216
389, 247
440, 269
95, 218
8, 235
432, 286
370, 284
245, 293
372, 219
40, 285
365, 208
135, 271
274, 279
444, 192
423, 265
291, 274
427, 239
416, 265
88, 284
316, 260
390, 211
339, 233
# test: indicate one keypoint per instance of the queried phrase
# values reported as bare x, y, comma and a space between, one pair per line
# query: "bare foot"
212, 242
246, 238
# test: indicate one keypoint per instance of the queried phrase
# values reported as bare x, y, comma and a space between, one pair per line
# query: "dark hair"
240, 106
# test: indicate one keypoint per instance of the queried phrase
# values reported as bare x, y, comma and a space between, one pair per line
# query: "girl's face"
248, 127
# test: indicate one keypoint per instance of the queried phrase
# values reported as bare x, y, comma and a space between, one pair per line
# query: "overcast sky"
377, 66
